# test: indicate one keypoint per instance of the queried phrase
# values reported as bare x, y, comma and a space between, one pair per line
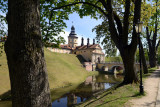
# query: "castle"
90, 52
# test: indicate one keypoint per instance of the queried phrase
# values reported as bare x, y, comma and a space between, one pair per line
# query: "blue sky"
83, 27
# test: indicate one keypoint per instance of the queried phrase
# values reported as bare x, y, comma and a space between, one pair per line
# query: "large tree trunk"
129, 65
152, 59
25, 55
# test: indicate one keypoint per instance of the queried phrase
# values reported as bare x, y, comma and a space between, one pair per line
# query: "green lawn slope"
63, 70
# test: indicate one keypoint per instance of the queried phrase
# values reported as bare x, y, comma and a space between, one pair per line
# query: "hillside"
63, 69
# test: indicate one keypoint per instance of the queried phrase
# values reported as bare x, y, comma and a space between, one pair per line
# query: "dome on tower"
72, 28
72, 33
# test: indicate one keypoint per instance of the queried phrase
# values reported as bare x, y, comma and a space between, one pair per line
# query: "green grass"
61, 67
63, 70
115, 97
150, 71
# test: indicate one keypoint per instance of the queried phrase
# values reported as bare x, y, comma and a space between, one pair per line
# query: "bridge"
110, 65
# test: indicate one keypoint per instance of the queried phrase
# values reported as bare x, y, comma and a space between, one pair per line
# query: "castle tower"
72, 38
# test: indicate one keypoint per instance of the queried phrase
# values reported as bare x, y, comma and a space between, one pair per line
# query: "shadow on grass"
114, 100
6, 96
127, 97
138, 94
81, 59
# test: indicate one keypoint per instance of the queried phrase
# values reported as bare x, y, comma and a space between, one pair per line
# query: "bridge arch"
115, 68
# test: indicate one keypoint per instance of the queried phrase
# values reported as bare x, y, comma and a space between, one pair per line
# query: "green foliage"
113, 59
158, 55
145, 54
1, 48
3, 26
102, 32
52, 23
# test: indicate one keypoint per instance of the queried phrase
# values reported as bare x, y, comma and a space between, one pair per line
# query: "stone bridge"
110, 65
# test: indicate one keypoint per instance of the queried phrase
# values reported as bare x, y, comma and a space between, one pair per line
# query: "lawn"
63, 70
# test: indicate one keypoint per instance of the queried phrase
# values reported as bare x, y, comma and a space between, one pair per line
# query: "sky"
83, 27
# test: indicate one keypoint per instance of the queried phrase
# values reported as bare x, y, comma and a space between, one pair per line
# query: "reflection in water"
87, 89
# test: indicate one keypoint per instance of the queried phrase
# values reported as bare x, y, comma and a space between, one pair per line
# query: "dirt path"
151, 86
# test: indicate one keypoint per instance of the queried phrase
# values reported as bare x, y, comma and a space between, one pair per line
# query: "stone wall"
59, 50
88, 66
98, 58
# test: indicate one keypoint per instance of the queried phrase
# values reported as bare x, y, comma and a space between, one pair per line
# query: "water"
69, 96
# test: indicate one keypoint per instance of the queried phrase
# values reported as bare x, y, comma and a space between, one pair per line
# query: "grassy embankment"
116, 97
63, 70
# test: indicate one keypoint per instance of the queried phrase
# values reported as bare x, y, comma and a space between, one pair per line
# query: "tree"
118, 28
50, 27
152, 28
25, 55
102, 32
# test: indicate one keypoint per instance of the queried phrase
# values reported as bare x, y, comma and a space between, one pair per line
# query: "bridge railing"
113, 62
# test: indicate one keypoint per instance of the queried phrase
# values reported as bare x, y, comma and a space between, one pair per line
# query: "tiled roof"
90, 46
98, 53
82, 47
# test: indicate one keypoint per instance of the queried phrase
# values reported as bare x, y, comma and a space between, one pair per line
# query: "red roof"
81, 47
90, 46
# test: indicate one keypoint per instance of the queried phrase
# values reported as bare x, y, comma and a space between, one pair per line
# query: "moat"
72, 95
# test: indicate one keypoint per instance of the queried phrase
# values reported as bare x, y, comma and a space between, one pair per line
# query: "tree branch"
114, 35
137, 11
72, 4
148, 38
118, 22
126, 22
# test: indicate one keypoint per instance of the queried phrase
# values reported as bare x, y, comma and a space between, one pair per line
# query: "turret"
93, 41
82, 42
87, 42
